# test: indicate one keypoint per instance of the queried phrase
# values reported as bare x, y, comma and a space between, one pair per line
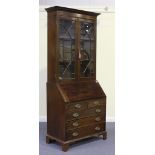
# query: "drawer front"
96, 103
85, 121
71, 115
85, 131
77, 106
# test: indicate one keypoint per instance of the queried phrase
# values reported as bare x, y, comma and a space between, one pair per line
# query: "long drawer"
71, 115
85, 131
85, 121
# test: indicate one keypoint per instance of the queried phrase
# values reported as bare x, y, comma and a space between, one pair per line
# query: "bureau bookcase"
76, 103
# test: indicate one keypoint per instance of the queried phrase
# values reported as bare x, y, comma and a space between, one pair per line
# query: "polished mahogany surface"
76, 103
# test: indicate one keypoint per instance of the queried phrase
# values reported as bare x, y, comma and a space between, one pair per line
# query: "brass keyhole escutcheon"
97, 119
75, 134
98, 110
75, 115
78, 106
97, 128
75, 124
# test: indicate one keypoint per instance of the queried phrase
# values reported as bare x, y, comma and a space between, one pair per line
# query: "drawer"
85, 131
77, 106
71, 115
96, 103
84, 121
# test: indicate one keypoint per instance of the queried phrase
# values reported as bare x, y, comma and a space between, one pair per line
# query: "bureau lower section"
81, 120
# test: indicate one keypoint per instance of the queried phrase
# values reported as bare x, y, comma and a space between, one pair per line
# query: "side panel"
55, 113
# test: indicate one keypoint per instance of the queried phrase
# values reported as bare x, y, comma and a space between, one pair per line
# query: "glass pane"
87, 49
66, 49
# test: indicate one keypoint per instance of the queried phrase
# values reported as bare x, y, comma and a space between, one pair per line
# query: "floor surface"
92, 146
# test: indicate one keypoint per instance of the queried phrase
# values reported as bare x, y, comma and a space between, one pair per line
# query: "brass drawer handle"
75, 115
98, 110
97, 128
96, 103
75, 124
75, 134
97, 119
78, 106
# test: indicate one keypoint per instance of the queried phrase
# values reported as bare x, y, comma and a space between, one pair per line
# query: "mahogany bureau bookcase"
76, 103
